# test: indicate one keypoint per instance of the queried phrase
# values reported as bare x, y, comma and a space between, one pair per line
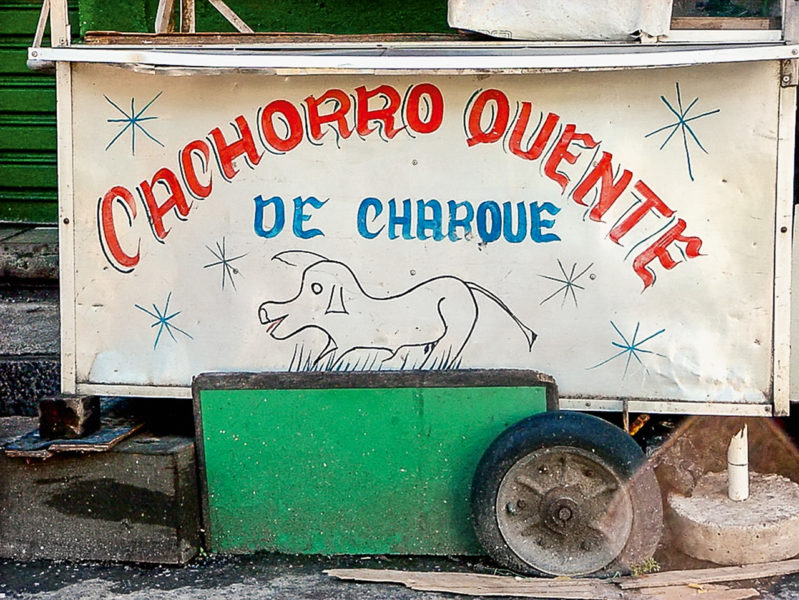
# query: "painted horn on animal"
299, 258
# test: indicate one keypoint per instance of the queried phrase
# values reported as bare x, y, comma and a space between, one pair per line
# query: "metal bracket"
789, 73
34, 64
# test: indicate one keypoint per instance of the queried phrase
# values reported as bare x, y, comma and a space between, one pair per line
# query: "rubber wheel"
565, 493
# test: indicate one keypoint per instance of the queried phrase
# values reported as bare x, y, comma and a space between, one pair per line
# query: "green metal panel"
36, 207
353, 471
20, 94
27, 132
26, 170
28, 182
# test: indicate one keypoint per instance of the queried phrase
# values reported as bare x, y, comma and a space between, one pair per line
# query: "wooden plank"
188, 16
718, 574
60, 32
477, 584
705, 592
163, 16
41, 24
725, 23
66, 217
107, 38
231, 16
33, 446
783, 250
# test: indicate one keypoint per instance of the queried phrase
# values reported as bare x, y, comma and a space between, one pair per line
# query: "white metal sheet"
561, 19
372, 234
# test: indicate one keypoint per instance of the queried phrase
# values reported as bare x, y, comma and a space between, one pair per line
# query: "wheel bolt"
564, 514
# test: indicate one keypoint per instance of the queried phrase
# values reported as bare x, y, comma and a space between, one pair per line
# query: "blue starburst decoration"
682, 125
162, 321
228, 270
569, 283
133, 121
631, 349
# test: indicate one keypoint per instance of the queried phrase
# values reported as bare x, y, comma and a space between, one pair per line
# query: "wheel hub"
563, 511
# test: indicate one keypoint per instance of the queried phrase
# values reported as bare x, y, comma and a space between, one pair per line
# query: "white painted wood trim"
60, 31
163, 15
727, 36
783, 251
230, 16
44, 16
134, 391
428, 59
582, 404
66, 219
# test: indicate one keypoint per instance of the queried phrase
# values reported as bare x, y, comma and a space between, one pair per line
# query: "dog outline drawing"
426, 326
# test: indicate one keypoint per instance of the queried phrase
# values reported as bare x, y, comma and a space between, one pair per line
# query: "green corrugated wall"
310, 16
27, 121
27, 99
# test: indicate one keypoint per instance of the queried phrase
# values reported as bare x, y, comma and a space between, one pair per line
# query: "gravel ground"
253, 577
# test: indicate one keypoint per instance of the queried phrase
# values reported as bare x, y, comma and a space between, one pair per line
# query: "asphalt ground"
255, 577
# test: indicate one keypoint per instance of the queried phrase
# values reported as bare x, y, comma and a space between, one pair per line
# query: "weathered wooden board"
478, 584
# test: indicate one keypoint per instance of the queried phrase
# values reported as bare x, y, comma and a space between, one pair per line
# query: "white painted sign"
614, 229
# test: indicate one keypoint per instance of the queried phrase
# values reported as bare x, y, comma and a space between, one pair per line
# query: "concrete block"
138, 502
763, 528
68, 417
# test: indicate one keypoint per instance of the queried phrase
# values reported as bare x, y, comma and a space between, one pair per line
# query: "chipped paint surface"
406, 222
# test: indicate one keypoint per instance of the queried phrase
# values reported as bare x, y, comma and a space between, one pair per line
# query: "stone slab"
30, 254
138, 502
10, 232
708, 525
36, 235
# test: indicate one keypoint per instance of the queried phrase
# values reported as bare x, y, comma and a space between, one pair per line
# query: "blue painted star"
228, 271
682, 125
569, 282
632, 349
162, 321
133, 121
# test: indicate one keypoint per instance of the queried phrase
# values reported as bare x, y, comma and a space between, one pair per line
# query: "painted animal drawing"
424, 327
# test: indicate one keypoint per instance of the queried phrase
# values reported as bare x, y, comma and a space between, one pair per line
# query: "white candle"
738, 466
